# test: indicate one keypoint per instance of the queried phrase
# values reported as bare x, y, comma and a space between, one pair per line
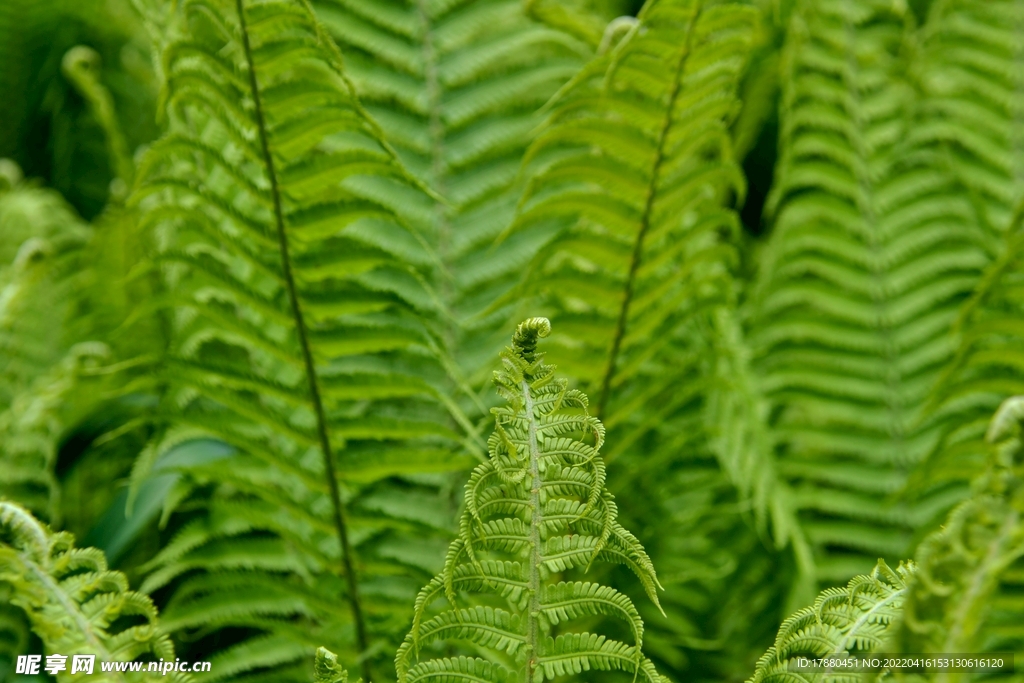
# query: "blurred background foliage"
830, 321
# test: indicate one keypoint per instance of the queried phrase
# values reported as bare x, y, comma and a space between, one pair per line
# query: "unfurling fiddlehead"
535, 511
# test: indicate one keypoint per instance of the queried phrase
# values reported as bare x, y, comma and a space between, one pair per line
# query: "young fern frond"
296, 330
74, 603
965, 596
853, 620
456, 87
873, 250
537, 509
327, 670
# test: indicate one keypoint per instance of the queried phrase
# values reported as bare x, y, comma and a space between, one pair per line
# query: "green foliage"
854, 620
456, 87
258, 381
326, 668
538, 508
637, 174
73, 601
973, 100
295, 337
872, 251
965, 596
51, 128
971, 72
634, 171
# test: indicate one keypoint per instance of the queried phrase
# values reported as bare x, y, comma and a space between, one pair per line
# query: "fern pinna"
538, 508
295, 337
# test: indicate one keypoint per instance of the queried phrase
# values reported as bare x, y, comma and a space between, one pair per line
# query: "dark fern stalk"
327, 452
536, 510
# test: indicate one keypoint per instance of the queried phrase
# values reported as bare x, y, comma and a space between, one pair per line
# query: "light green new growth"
72, 599
854, 620
326, 668
535, 511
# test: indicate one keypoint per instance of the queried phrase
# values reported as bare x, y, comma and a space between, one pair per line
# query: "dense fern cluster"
258, 259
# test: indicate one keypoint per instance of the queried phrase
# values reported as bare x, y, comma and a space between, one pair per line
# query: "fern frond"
965, 596
41, 270
873, 250
633, 169
455, 87
986, 370
970, 72
544, 462
326, 668
297, 335
75, 604
853, 620
634, 174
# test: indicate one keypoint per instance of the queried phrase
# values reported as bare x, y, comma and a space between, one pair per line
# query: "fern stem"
536, 519
645, 223
307, 355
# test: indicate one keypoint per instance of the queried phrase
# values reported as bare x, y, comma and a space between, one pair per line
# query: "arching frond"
853, 620
296, 339
633, 169
456, 86
970, 70
75, 604
538, 508
873, 250
635, 174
